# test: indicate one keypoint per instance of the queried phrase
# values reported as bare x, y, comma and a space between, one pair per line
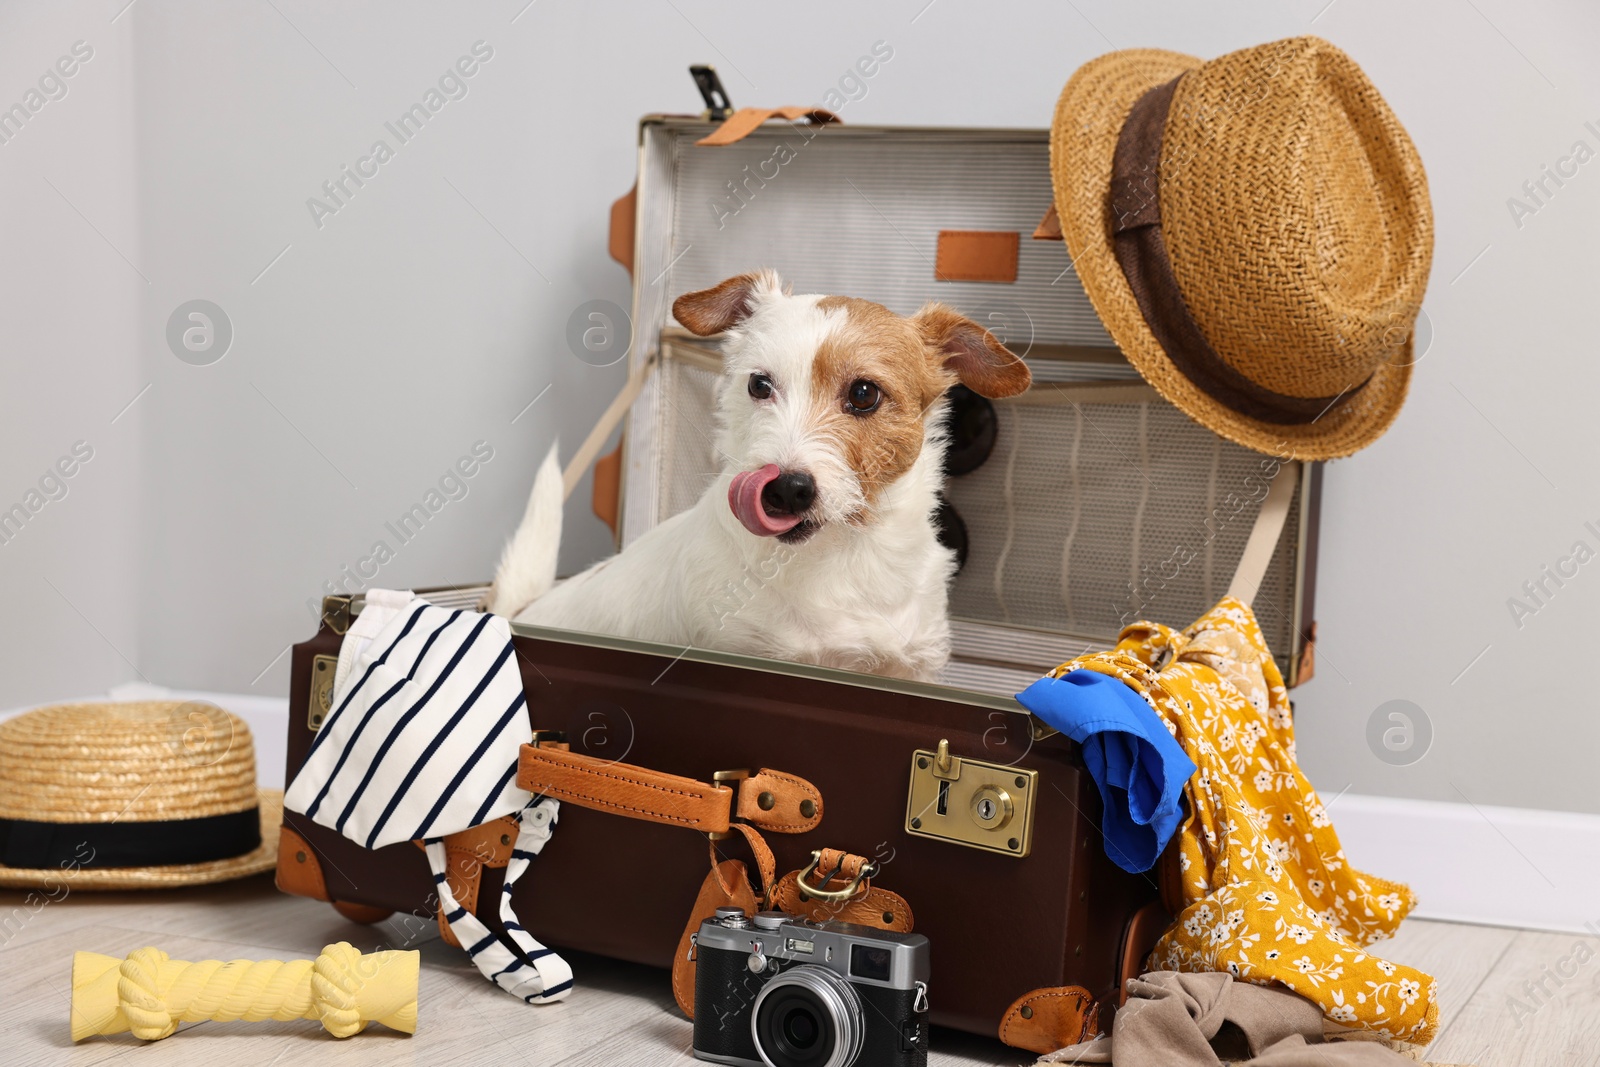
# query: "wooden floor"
623, 1014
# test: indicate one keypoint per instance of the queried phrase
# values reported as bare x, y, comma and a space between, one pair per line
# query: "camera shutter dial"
758, 958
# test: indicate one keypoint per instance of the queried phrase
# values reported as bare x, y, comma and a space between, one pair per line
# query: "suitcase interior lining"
1072, 535
1053, 569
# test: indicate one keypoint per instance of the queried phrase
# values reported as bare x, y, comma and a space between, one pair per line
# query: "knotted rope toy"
150, 994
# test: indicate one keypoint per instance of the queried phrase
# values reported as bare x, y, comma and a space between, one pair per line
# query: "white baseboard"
1479, 864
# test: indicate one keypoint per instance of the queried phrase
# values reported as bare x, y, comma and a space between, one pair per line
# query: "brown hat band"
1135, 205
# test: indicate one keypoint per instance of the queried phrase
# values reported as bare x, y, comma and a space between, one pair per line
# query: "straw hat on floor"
143, 795
1255, 232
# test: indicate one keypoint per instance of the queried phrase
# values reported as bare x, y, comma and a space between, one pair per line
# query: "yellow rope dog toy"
150, 994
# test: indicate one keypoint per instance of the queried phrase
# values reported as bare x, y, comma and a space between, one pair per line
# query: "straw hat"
130, 796
1255, 232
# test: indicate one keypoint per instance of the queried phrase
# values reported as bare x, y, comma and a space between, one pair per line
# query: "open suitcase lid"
1101, 503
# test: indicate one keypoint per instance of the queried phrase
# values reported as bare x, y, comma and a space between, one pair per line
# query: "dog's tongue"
744, 497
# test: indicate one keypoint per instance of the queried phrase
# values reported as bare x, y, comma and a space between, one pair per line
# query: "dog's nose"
789, 493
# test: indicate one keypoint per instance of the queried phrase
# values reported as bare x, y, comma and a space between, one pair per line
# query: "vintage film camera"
779, 991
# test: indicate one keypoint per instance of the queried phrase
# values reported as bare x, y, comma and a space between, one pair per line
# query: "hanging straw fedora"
1256, 234
142, 795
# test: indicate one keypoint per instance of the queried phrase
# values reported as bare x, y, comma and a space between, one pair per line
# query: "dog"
816, 543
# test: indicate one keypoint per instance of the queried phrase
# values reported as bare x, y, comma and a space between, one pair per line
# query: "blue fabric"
1137, 764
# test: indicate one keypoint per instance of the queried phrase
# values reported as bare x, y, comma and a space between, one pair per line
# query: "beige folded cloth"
1198, 1020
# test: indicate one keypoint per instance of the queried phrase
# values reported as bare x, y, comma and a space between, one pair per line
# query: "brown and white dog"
816, 543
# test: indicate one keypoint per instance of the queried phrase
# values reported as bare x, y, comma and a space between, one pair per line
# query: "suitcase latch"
323, 669
971, 802
711, 91
336, 613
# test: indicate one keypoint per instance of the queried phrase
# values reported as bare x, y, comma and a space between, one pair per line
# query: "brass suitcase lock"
971, 802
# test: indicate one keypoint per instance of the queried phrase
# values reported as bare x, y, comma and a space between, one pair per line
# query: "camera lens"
807, 1017
800, 1028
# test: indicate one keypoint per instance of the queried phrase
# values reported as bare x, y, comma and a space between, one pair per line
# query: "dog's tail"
528, 566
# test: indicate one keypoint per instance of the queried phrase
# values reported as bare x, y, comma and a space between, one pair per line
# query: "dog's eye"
863, 397
760, 386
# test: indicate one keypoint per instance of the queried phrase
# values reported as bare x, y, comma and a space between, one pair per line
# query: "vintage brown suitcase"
1003, 921
1094, 488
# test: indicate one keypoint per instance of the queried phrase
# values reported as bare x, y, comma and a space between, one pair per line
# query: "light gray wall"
432, 307
71, 294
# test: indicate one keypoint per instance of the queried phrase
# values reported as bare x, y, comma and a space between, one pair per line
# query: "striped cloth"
428, 720
514, 961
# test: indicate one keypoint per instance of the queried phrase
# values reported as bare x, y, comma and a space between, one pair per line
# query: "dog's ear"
972, 353
725, 304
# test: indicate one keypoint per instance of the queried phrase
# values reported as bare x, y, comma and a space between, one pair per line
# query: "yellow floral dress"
1266, 894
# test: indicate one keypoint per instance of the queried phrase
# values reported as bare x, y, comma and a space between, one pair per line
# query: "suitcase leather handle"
766, 799
747, 120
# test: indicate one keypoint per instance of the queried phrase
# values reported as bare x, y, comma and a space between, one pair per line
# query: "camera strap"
810, 894
726, 886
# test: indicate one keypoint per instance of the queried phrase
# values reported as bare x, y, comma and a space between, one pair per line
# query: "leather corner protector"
1045, 1020
1139, 936
619, 242
487, 845
1306, 669
977, 256
299, 872
607, 496
1049, 228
